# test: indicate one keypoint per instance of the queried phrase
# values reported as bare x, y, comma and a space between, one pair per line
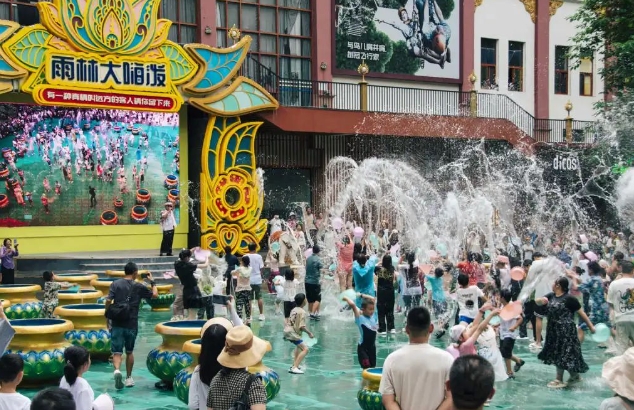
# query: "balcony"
415, 101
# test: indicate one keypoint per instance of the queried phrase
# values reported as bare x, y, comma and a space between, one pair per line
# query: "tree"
606, 29
402, 62
371, 36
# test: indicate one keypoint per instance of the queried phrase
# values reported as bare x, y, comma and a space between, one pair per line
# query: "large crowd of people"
53, 148
554, 289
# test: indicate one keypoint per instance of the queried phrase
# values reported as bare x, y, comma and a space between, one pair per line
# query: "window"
488, 63
561, 70
516, 66
585, 76
281, 32
183, 14
23, 12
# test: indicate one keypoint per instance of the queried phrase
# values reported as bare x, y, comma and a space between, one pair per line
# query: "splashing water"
480, 195
625, 198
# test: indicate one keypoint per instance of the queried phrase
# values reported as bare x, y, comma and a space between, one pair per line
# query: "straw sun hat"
242, 349
619, 372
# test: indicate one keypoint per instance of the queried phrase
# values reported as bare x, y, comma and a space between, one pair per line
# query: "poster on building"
64, 166
399, 38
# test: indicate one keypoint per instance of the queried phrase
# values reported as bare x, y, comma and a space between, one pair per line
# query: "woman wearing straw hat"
242, 349
619, 373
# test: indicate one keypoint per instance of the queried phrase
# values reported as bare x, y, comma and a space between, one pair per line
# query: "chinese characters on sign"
365, 51
92, 72
101, 99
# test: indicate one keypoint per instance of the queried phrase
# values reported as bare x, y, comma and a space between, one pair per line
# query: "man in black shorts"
124, 333
313, 287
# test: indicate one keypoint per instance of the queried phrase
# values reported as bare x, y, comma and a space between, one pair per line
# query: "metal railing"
293, 92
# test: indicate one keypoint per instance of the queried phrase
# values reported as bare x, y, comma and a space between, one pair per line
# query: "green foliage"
394, 4
372, 36
402, 62
607, 22
447, 6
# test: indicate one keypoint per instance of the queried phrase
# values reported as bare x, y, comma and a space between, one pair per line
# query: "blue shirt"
364, 278
370, 324
438, 292
313, 270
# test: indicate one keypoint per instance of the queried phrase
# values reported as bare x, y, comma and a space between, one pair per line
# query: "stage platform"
30, 267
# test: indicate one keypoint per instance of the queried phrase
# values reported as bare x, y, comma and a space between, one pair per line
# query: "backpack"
243, 402
120, 312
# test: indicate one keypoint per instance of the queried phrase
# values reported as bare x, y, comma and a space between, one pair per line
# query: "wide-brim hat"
224, 322
242, 349
619, 373
168, 203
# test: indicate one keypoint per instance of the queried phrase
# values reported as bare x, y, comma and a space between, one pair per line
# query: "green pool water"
333, 376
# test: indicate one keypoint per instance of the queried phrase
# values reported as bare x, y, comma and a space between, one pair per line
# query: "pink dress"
465, 349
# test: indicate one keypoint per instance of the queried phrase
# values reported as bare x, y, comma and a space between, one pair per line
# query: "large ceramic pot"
81, 279
120, 273
24, 304
103, 284
70, 297
166, 360
270, 379
184, 377
41, 344
369, 397
164, 301
90, 328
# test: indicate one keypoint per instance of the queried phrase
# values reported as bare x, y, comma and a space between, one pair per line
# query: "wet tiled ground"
333, 376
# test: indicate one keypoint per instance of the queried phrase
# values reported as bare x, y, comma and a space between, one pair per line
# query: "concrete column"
467, 34
542, 58
322, 33
207, 19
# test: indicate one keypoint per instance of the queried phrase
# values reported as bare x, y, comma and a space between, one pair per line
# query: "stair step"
102, 267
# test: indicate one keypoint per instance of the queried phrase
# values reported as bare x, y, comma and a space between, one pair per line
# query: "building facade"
440, 73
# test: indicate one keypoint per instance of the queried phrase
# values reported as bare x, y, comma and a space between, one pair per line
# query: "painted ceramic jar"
166, 360
164, 301
81, 279
102, 285
41, 344
369, 397
70, 297
22, 299
90, 328
184, 377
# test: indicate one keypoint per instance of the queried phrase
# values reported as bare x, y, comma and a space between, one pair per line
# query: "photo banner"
399, 38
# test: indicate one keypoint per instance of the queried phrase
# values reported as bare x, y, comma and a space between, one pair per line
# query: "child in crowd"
367, 322
51, 290
11, 374
464, 337
278, 284
293, 328
243, 289
467, 297
53, 398
273, 264
508, 333
290, 290
77, 363
439, 301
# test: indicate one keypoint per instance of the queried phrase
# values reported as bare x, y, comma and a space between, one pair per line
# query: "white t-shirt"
505, 325
198, 392
414, 372
257, 263
14, 401
621, 297
81, 391
468, 301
